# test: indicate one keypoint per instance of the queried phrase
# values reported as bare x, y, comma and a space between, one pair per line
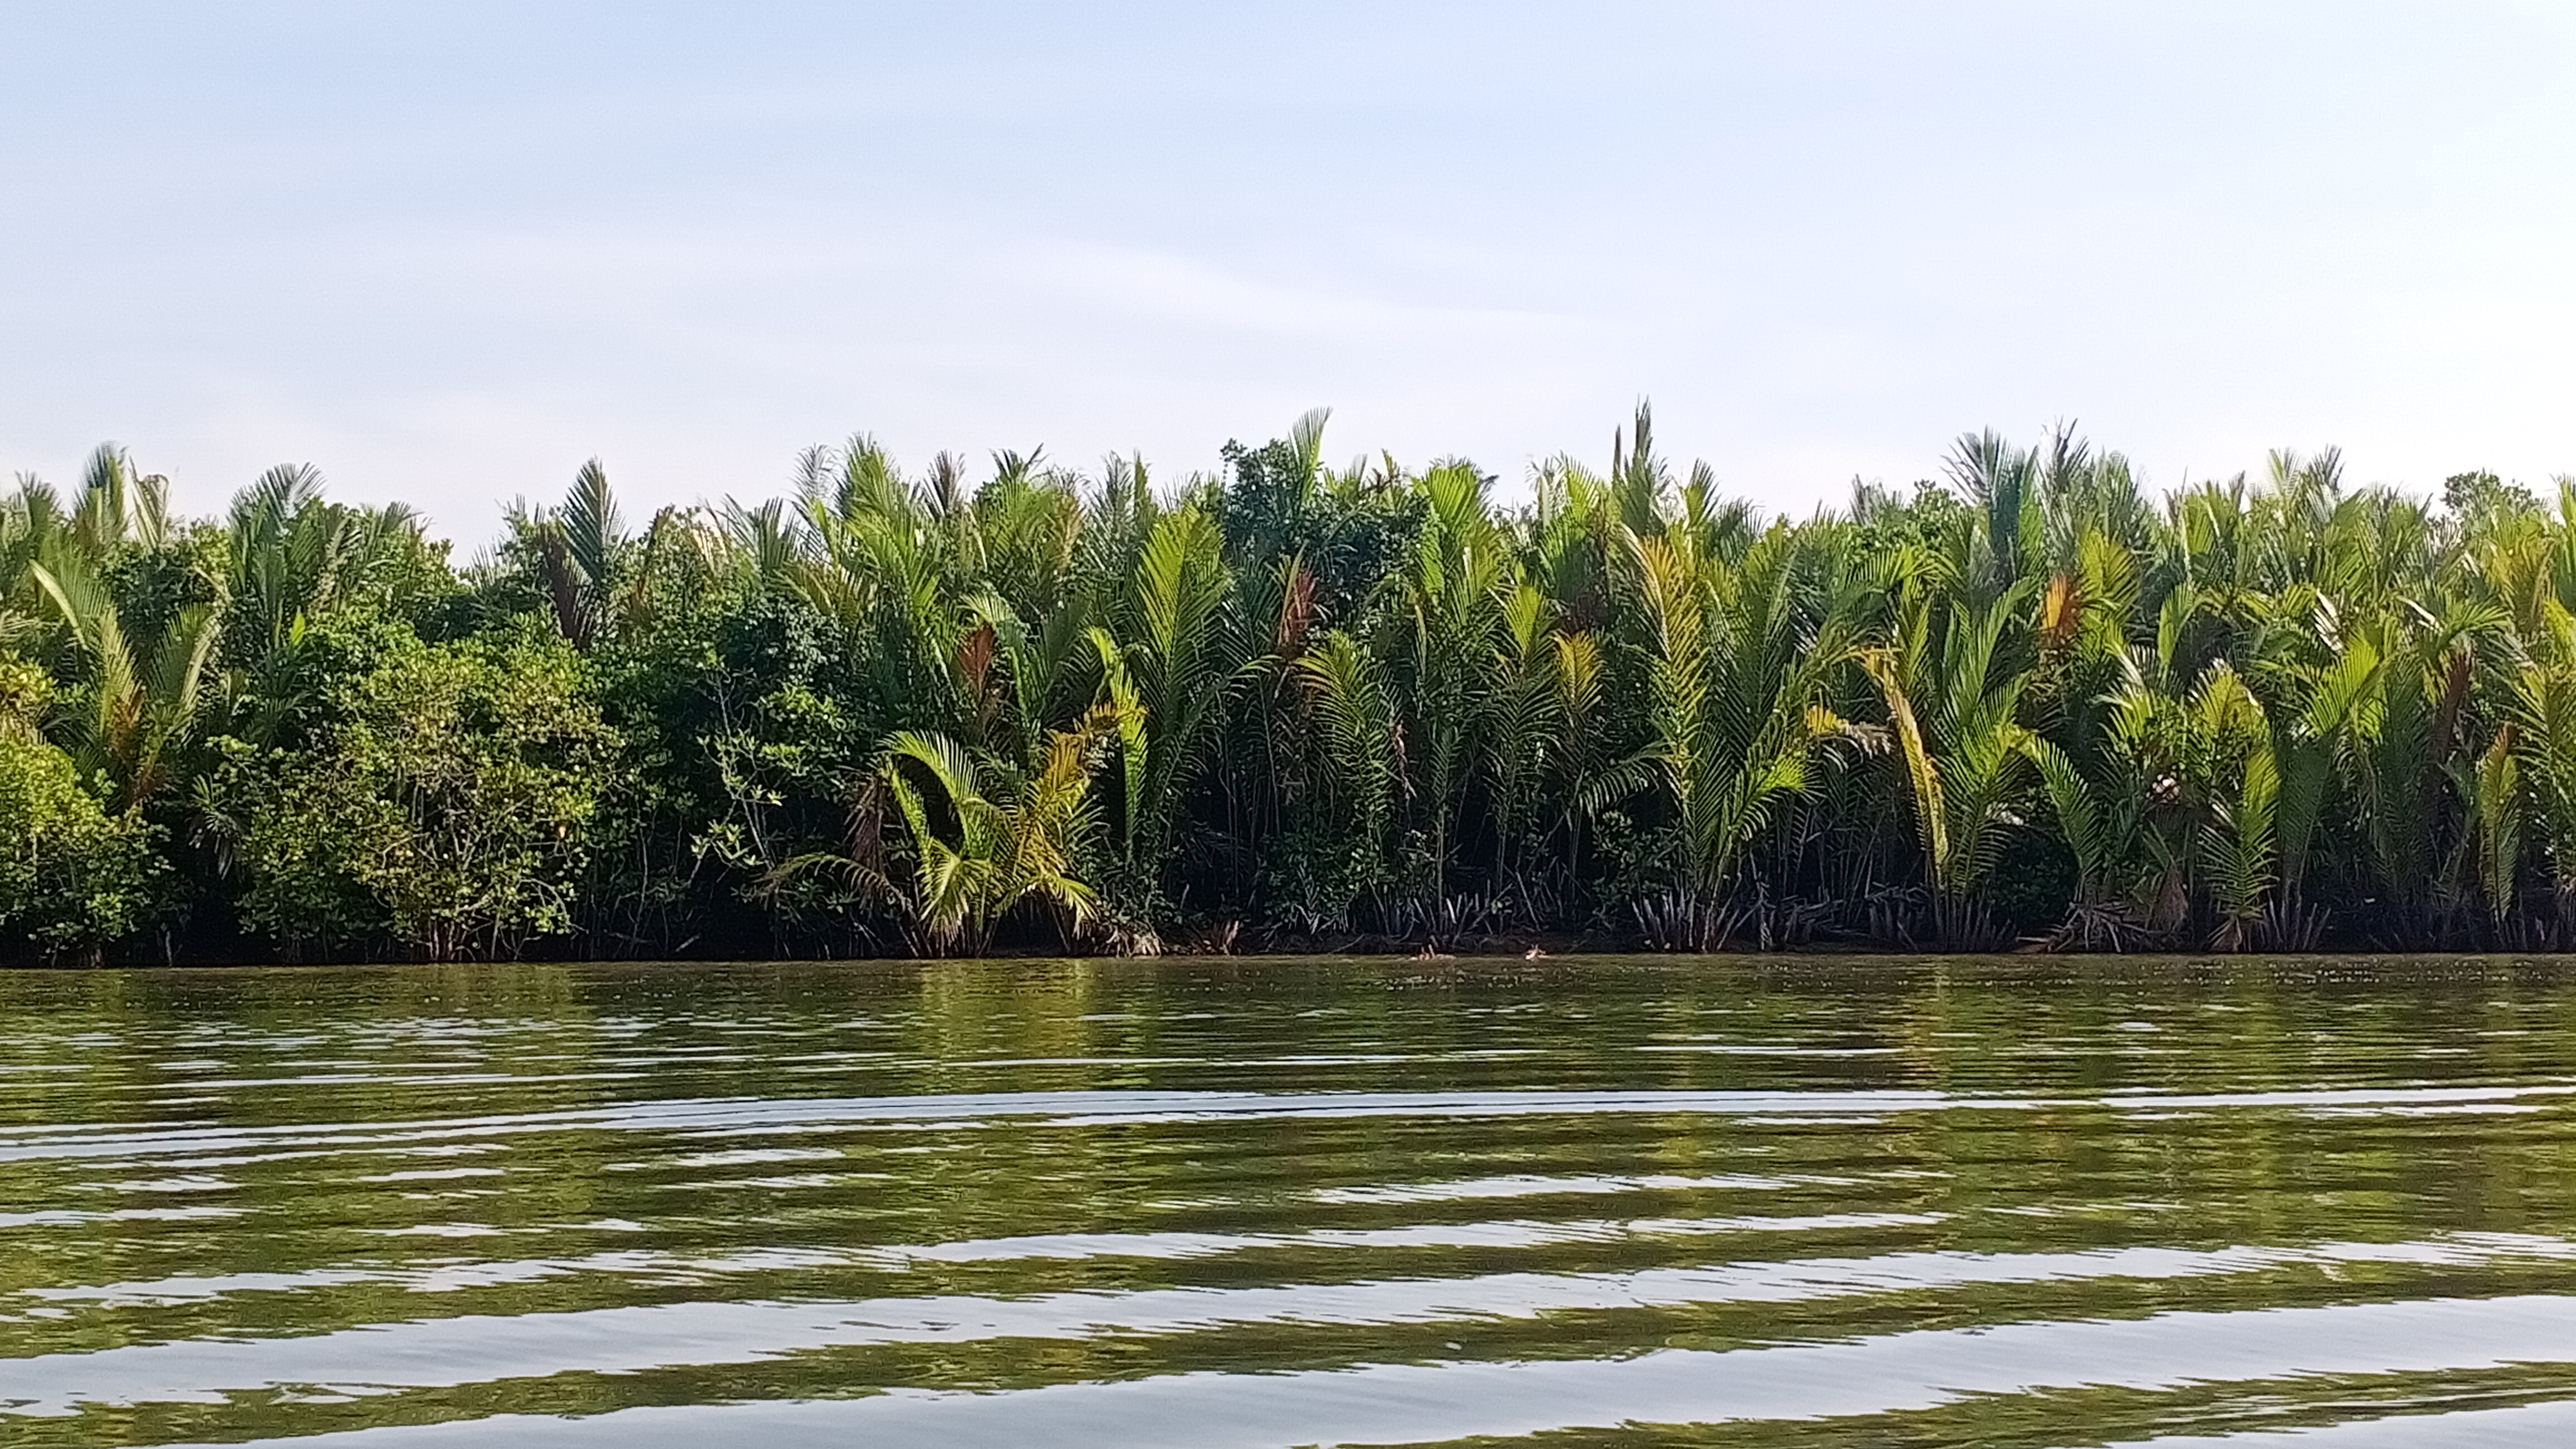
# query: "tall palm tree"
1169, 683
1736, 678
1953, 705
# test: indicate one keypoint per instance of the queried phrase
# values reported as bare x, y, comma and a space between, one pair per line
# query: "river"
1798, 1202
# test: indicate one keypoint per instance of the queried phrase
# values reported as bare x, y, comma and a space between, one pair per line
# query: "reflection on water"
1588, 1203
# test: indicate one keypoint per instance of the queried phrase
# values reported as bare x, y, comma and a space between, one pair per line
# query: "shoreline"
1567, 960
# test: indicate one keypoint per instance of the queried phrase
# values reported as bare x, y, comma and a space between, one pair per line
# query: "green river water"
1580, 1202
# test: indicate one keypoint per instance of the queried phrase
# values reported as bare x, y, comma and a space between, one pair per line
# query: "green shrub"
72, 876
448, 805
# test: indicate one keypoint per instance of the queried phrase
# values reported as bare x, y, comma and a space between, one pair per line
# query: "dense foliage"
1294, 705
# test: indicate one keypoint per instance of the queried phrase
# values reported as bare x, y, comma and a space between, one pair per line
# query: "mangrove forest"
1293, 705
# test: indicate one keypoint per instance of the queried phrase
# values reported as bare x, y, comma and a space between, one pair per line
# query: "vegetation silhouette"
1293, 706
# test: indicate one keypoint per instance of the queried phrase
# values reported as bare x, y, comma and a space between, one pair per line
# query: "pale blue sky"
445, 251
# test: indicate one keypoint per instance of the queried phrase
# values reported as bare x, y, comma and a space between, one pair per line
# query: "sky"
447, 251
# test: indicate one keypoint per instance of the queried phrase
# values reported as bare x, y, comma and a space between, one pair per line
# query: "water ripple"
1253, 1204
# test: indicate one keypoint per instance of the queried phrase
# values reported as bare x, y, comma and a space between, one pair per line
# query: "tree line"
1297, 706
